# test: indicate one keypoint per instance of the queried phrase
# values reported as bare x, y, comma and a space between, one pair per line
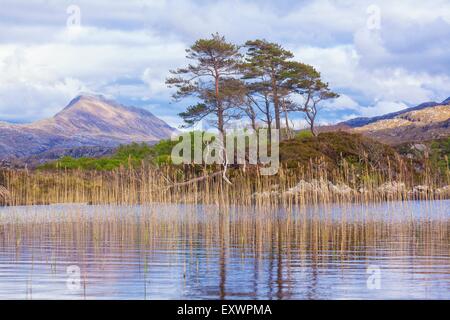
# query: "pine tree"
265, 68
214, 64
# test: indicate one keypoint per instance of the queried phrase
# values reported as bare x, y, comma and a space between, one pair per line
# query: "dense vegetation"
333, 153
440, 153
334, 166
435, 153
332, 148
125, 156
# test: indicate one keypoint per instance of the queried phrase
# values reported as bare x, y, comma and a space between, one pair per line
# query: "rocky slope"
427, 121
362, 121
87, 121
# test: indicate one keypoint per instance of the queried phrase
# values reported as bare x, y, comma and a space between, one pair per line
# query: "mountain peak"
98, 106
87, 121
446, 101
87, 111
88, 97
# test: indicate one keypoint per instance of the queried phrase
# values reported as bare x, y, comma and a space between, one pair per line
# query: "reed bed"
290, 187
246, 228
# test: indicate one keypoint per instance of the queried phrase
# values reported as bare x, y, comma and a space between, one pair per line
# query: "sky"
380, 56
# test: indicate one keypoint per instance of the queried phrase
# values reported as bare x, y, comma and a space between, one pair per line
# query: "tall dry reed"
290, 187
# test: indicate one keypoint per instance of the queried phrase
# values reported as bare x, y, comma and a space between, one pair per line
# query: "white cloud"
125, 48
382, 107
348, 74
39, 79
343, 102
21, 101
299, 123
173, 121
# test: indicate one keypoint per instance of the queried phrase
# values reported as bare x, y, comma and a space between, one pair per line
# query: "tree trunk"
269, 119
276, 103
312, 118
288, 130
311, 124
220, 121
253, 123
286, 119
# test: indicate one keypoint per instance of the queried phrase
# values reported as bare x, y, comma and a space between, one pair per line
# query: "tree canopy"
260, 81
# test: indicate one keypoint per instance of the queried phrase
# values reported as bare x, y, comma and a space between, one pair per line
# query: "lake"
396, 250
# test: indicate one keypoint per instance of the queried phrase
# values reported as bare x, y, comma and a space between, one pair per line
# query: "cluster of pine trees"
258, 80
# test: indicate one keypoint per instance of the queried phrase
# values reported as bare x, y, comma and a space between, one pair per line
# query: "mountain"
446, 101
359, 122
87, 121
426, 121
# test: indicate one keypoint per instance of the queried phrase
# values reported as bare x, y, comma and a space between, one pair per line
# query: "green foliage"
213, 62
193, 114
303, 134
440, 154
125, 156
162, 159
163, 147
134, 150
265, 57
83, 163
435, 153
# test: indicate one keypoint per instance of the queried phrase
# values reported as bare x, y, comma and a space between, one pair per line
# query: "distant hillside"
425, 124
359, 122
427, 121
87, 121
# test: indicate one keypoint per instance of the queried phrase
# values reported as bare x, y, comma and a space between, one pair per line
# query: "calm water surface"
382, 251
